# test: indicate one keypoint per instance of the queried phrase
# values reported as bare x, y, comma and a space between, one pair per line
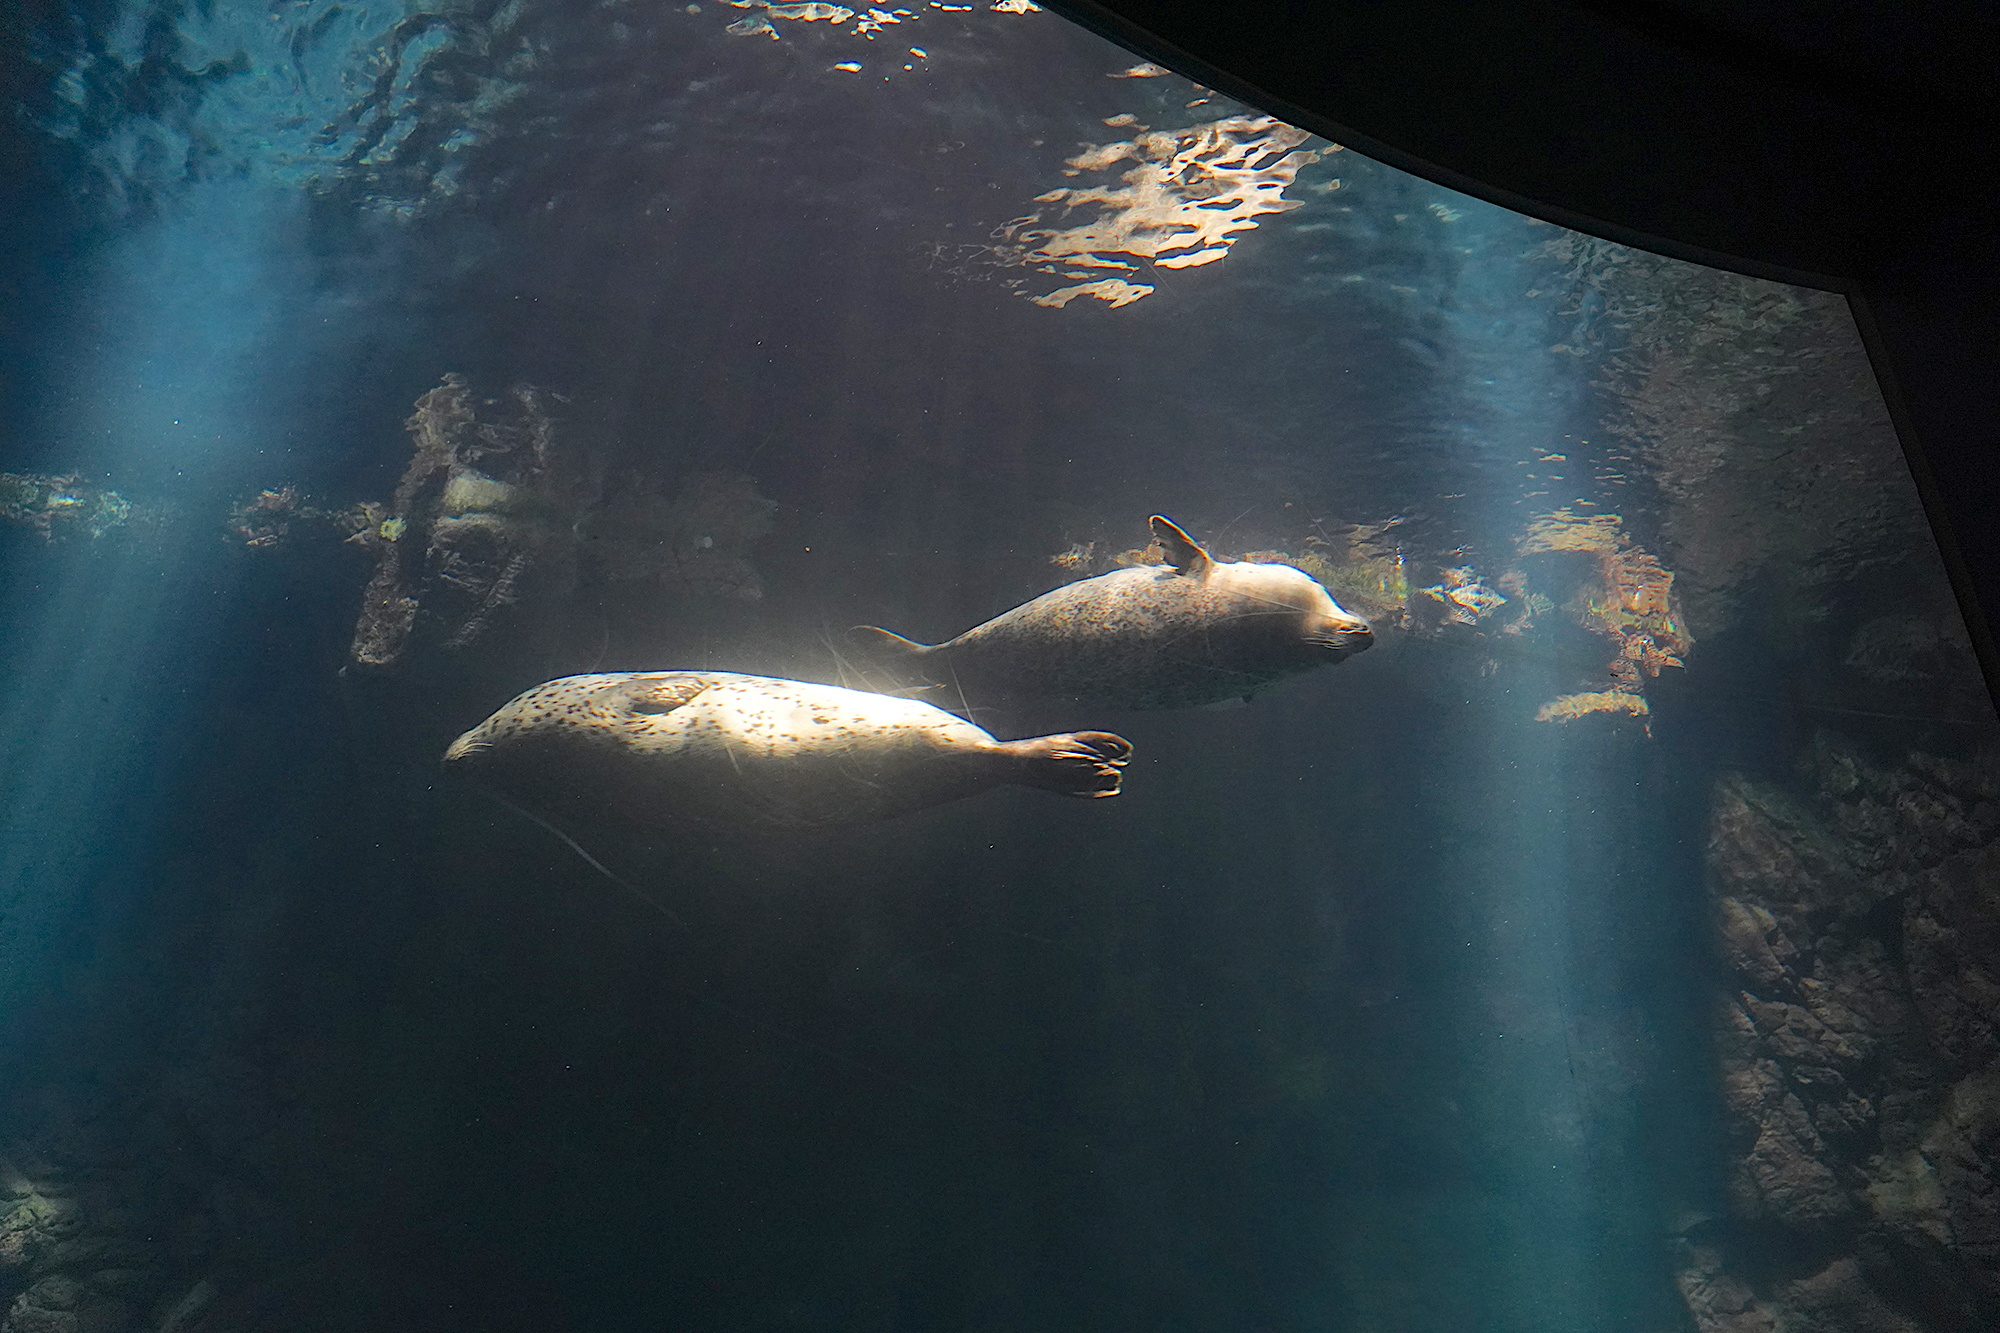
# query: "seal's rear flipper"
900, 658
1076, 763
888, 648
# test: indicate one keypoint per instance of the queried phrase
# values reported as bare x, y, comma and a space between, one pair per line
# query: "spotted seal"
714, 747
1191, 632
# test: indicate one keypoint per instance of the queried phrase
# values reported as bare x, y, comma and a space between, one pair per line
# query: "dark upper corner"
1851, 144
1822, 141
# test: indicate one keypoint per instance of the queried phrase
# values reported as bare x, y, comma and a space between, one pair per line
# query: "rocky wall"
1857, 1031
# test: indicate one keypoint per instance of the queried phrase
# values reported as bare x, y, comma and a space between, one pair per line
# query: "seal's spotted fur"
721, 748
1195, 631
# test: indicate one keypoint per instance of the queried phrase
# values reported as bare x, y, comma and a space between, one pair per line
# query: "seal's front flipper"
1182, 552
1076, 763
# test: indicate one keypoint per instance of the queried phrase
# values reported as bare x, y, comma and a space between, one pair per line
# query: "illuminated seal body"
1192, 632
717, 748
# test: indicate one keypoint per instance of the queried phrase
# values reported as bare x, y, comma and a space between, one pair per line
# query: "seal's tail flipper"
889, 648
1076, 763
903, 660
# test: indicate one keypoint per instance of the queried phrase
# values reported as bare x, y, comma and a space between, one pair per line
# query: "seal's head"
1307, 626
568, 719
1324, 626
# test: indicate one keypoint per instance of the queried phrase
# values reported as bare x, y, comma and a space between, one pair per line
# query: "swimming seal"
1192, 632
717, 748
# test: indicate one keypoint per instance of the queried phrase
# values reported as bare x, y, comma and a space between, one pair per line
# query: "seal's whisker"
965, 708
590, 860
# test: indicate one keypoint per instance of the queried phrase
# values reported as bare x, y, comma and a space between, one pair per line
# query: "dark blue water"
1383, 1003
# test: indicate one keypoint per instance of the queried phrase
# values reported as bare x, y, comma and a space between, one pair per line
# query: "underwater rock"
265, 519
77, 1223
1963, 1150
1951, 946
1772, 450
1719, 1301
1839, 1299
1754, 945
456, 541
63, 1305
493, 510
389, 603
1911, 648
1856, 1017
